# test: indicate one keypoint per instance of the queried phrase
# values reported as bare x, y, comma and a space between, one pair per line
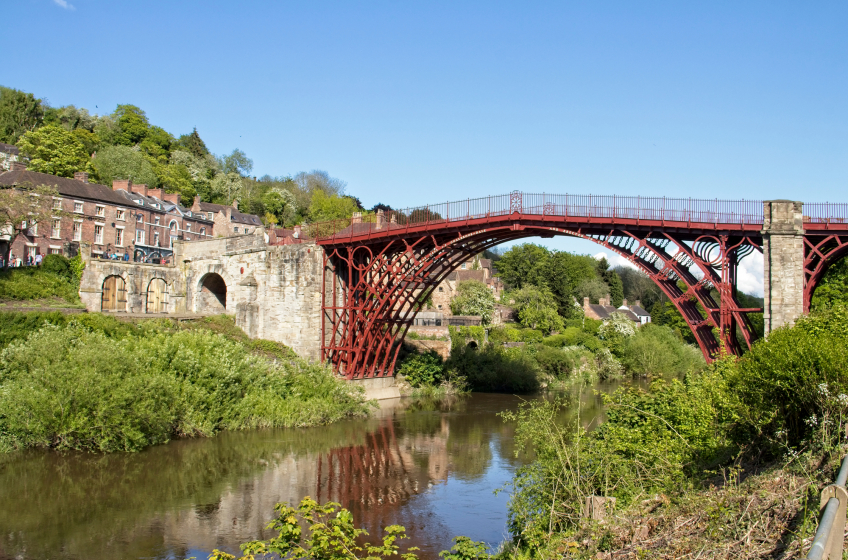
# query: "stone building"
126, 219
228, 219
8, 154
602, 310
475, 268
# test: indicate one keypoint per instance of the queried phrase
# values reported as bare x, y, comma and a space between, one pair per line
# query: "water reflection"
430, 466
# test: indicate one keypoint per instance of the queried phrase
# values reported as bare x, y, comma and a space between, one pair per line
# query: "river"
430, 466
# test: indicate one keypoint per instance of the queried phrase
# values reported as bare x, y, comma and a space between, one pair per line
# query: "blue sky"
413, 102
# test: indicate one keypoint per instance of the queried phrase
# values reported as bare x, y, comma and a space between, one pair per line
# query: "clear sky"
422, 102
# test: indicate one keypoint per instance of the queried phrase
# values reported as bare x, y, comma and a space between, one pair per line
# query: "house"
475, 268
8, 154
602, 310
125, 219
637, 310
228, 219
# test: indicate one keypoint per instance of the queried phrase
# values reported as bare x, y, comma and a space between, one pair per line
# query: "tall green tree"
52, 149
19, 113
616, 288
474, 298
132, 124
193, 144
325, 207
537, 308
832, 289
523, 264
123, 162
563, 273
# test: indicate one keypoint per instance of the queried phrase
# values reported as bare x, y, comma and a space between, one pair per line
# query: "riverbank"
92, 382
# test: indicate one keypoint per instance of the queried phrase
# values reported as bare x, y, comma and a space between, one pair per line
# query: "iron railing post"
827, 544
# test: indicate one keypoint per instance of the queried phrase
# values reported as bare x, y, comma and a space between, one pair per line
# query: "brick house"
8, 154
228, 219
125, 219
475, 268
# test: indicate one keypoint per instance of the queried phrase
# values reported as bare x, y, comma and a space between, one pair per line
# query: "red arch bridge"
380, 268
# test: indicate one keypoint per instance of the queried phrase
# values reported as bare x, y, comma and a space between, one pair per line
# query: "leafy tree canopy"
474, 298
52, 149
193, 144
19, 113
521, 265
327, 207
123, 162
236, 162
537, 308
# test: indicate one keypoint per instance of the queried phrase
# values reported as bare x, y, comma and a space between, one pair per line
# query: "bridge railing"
830, 534
636, 208
826, 213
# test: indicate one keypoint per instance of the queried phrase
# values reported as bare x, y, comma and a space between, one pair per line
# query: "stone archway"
114, 295
212, 295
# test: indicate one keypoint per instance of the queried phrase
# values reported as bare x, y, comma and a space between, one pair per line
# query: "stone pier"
783, 263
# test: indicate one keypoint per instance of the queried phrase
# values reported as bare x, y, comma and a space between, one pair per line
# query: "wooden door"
157, 296
114, 296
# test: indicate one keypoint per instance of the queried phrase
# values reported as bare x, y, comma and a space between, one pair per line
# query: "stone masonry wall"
783, 263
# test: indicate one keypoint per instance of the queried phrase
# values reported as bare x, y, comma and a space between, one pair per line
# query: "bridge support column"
783, 263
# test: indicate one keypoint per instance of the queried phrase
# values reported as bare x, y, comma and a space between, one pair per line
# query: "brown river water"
432, 467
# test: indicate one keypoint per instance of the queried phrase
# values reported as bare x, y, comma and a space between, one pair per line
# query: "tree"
280, 203
25, 205
563, 273
226, 187
70, 118
537, 308
52, 149
123, 162
638, 286
193, 144
327, 207
474, 298
593, 288
613, 281
522, 265
19, 113
237, 162
132, 125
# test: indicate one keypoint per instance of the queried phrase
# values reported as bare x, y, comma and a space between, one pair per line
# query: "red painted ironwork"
380, 268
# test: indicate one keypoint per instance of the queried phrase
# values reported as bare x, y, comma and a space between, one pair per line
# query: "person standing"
38, 259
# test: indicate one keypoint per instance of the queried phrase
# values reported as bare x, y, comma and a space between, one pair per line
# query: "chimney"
235, 204
356, 218
296, 233
17, 166
139, 189
155, 192
195, 207
172, 197
585, 303
122, 185
624, 302
638, 303
381, 219
603, 301
81, 176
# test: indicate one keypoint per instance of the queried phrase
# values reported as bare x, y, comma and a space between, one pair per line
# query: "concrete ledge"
379, 388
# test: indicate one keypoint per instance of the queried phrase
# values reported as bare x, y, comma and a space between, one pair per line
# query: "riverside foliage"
117, 387
785, 401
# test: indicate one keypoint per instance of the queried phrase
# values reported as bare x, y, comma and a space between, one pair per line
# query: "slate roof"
463, 275
237, 216
72, 188
9, 149
640, 311
602, 311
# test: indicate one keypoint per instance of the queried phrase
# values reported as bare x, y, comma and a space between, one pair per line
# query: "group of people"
116, 256
16, 262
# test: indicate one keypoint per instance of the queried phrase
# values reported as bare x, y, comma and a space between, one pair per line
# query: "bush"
495, 369
656, 350
422, 369
789, 381
35, 283
58, 265
97, 384
557, 363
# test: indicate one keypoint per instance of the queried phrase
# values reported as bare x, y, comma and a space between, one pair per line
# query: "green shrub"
495, 369
422, 369
555, 362
506, 333
656, 350
591, 326
791, 381
35, 283
531, 336
98, 384
58, 265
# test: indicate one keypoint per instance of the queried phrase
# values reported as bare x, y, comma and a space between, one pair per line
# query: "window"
463, 266
173, 227
57, 203
156, 220
33, 230
100, 211
139, 236
203, 231
119, 237
78, 207
55, 251
139, 218
156, 238
98, 234
235, 229
441, 289
57, 228
77, 231
121, 214
210, 215
188, 227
